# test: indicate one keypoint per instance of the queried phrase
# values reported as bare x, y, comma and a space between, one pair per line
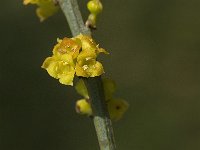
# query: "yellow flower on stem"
46, 8
61, 68
87, 66
74, 56
61, 65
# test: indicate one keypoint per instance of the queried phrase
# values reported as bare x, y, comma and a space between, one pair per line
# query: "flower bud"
83, 107
95, 6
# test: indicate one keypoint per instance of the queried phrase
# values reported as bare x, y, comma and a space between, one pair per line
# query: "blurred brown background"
155, 59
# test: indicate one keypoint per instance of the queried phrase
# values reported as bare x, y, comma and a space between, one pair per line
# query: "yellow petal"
86, 56
80, 71
87, 66
25, 2
61, 68
90, 70
96, 69
46, 8
67, 59
83, 107
67, 79
47, 62
117, 108
87, 42
50, 65
68, 46
101, 50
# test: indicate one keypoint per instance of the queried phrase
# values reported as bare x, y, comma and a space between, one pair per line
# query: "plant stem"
71, 11
101, 118
94, 85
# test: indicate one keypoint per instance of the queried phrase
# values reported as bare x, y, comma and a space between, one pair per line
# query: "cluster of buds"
95, 7
46, 8
74, 56
116, 106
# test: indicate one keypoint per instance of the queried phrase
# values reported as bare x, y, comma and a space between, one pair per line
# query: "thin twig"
71, 11
101, 118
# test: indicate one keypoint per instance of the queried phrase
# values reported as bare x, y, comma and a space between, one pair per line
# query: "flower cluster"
116, 107
46, 8
95, 7
74, 56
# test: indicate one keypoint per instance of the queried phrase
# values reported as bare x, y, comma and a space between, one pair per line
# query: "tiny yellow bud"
95, 6
83, 107
91, 21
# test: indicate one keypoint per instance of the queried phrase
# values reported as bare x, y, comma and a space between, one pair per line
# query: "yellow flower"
46, 8
87, 66
61, 68
74, 56
61, 65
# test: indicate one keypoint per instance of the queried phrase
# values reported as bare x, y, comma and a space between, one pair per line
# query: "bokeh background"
155, 60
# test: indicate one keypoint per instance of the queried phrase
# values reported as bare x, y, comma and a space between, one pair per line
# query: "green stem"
71, 11
101, 118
